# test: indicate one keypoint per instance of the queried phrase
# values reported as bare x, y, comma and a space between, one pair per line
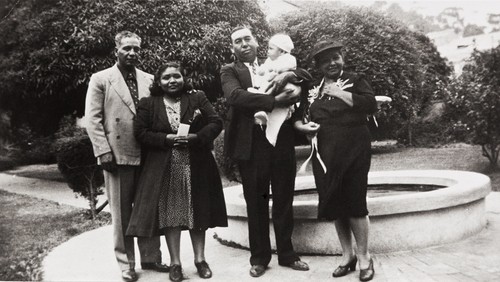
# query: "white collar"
250, 64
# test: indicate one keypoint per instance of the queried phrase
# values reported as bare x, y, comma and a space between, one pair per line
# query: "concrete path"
89, 256
45, 189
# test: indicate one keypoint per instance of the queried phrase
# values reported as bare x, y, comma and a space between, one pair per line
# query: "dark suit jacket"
236, 79
151, 127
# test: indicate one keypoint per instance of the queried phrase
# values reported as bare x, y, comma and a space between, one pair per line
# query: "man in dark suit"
110, 109
260, 163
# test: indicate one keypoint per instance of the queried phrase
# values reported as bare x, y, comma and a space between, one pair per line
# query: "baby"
279, 60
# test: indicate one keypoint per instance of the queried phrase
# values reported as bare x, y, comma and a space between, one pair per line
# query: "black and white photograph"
250, 140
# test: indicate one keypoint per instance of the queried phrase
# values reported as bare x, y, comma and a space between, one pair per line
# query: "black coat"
150, 128
236, 79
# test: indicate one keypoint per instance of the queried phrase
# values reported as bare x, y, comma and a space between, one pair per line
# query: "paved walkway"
89, 256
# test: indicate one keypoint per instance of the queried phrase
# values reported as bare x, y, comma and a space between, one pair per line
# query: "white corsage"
314, 92
196, 114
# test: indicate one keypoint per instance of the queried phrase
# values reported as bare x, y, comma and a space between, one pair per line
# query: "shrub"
33, 148
6, 163
226, 165
76, 162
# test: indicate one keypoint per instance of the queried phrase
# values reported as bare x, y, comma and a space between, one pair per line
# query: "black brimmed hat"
325, 45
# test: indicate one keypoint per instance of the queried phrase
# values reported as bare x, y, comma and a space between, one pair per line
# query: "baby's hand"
280, 80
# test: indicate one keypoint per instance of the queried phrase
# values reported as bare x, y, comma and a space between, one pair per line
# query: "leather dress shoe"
129, 275
342, 270
156, 266
367, 274
176, 273
257, 270
204, 270
297, 265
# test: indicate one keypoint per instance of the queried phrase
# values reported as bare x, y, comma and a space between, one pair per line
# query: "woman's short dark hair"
155, 89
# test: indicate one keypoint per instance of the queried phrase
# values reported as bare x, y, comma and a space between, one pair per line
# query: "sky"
474, 11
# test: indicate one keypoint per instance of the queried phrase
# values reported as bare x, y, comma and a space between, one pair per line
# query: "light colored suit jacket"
110, 114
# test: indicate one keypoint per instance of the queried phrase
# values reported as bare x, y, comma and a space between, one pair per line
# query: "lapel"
119, 85
185, 104
162, 113
244, 75
143, 83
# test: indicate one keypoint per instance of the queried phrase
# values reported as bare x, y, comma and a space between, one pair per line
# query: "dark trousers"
273, 166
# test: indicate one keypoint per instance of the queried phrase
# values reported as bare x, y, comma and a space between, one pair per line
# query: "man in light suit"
260, 163
110, 109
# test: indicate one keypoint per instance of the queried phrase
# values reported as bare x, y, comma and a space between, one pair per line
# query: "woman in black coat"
179, 187
336, 116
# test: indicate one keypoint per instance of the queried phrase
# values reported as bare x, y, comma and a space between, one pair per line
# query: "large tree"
400, 63
50, 48
474, 102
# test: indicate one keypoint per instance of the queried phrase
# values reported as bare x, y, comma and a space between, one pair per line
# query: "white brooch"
314, 92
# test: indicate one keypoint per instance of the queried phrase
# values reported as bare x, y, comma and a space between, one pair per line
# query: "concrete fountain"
411, 220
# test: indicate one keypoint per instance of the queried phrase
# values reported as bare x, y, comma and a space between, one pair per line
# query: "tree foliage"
400, 63
474, 99
51, 47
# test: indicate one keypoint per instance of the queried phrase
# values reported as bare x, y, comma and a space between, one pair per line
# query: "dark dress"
345, 147
151, 127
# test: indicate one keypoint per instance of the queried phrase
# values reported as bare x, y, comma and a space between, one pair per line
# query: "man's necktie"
132, 86
254, 68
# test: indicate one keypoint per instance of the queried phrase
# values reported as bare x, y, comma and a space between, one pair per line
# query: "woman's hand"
170, 138
334, 91
309, 129
186, 140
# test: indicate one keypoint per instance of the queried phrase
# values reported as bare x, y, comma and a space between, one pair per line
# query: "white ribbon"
314, 148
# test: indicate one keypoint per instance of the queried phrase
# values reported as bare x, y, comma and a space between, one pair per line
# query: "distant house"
443, 37
494, 21
459, 50
451, 17
275, 8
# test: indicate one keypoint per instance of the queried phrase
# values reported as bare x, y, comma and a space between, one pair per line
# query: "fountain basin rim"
461, 187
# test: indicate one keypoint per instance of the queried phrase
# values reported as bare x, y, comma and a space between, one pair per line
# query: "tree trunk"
92, 201
491, 152
410, 133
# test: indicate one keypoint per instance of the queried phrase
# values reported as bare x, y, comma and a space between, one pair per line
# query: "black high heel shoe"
342, 270
367, 274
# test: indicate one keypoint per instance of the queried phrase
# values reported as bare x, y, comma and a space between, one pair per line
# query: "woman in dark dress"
336, 114
179, 187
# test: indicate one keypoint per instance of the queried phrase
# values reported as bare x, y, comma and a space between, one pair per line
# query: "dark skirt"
346, 152
207, 197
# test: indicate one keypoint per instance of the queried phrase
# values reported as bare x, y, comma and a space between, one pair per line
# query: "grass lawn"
454, 157
30, 228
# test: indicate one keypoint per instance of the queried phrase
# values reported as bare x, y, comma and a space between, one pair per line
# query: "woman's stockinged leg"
344, 233
360, 229
173, 237
198, 242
